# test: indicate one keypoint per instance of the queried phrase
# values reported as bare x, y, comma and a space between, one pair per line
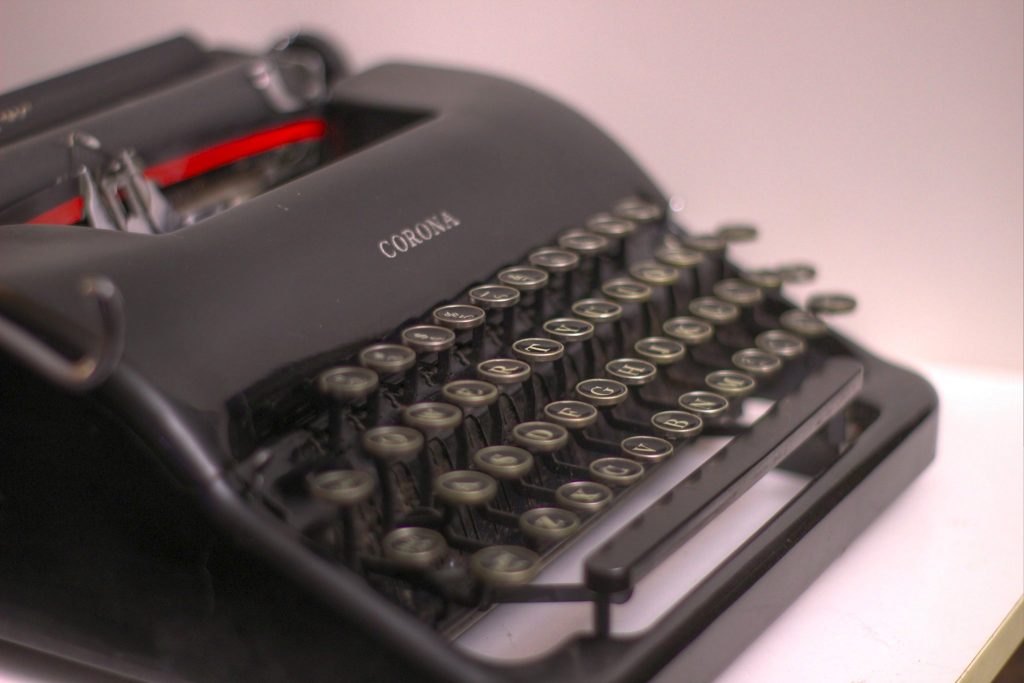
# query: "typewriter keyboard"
449, 462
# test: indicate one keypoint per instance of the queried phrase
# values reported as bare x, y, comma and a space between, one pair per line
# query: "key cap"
768, 280
433, 417
538, 351
470, 394
715, 310
602, 393
658, 275
831, 304
414, 547
704, 404
783, 344
615, 471
346, 489
638, 209
464, 317
690, 331
509, 372
730, 383
393, 359
735, 233
342, 387
540, 437
589, 247
624, 290
504, 566
678, 256
646, 448
499, 298
390, 444
738, 292
548, 524
557, 261
574, 331
676, 424
431, 339
585, 497
713, 268
803, 323
530, 280
631, 371
465, 488
616, 230
757, 362
602, 312
506, 463
660, 350
571, 414
797, 273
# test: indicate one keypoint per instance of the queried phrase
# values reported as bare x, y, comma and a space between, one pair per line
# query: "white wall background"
880, 139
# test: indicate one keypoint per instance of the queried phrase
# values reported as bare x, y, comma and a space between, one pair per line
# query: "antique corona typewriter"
411, 374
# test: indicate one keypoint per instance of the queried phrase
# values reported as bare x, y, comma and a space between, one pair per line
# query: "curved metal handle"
91, 369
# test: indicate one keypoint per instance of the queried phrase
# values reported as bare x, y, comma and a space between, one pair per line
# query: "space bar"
625, 558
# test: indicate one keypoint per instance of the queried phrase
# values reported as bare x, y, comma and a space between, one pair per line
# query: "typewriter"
411, 374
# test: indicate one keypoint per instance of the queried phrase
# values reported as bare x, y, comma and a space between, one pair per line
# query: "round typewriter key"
470, 393
690, 331
523, 278
392, 443
678, 256
646, 448
765, 279
676, 424
797, 273
428, 338
548, 524
583, 496
660, 350
626, 290
459, 316
597, 310
714, 310
708, 244
705, 404
344, 488
654, 273
504, 371
432, 416
730, 383
347, 383
631, 371
538, 350
568, 330
831, 304
781, 343
465, 487
504, 462
571, 414
611, 226
494, 297
638, 209
616, 471
803, 323
387, 358
554, 260
414, 547
602, 392
737, 232
540, 437
584, 243
738, 292
504, 566
757, 362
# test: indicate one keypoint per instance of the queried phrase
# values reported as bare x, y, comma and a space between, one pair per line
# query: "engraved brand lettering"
423, 231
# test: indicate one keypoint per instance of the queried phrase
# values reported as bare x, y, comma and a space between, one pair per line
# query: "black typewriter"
410, 374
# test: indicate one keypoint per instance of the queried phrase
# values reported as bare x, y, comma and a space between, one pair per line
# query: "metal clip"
92, 369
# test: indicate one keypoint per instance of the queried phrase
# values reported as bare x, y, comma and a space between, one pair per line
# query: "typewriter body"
316, 376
